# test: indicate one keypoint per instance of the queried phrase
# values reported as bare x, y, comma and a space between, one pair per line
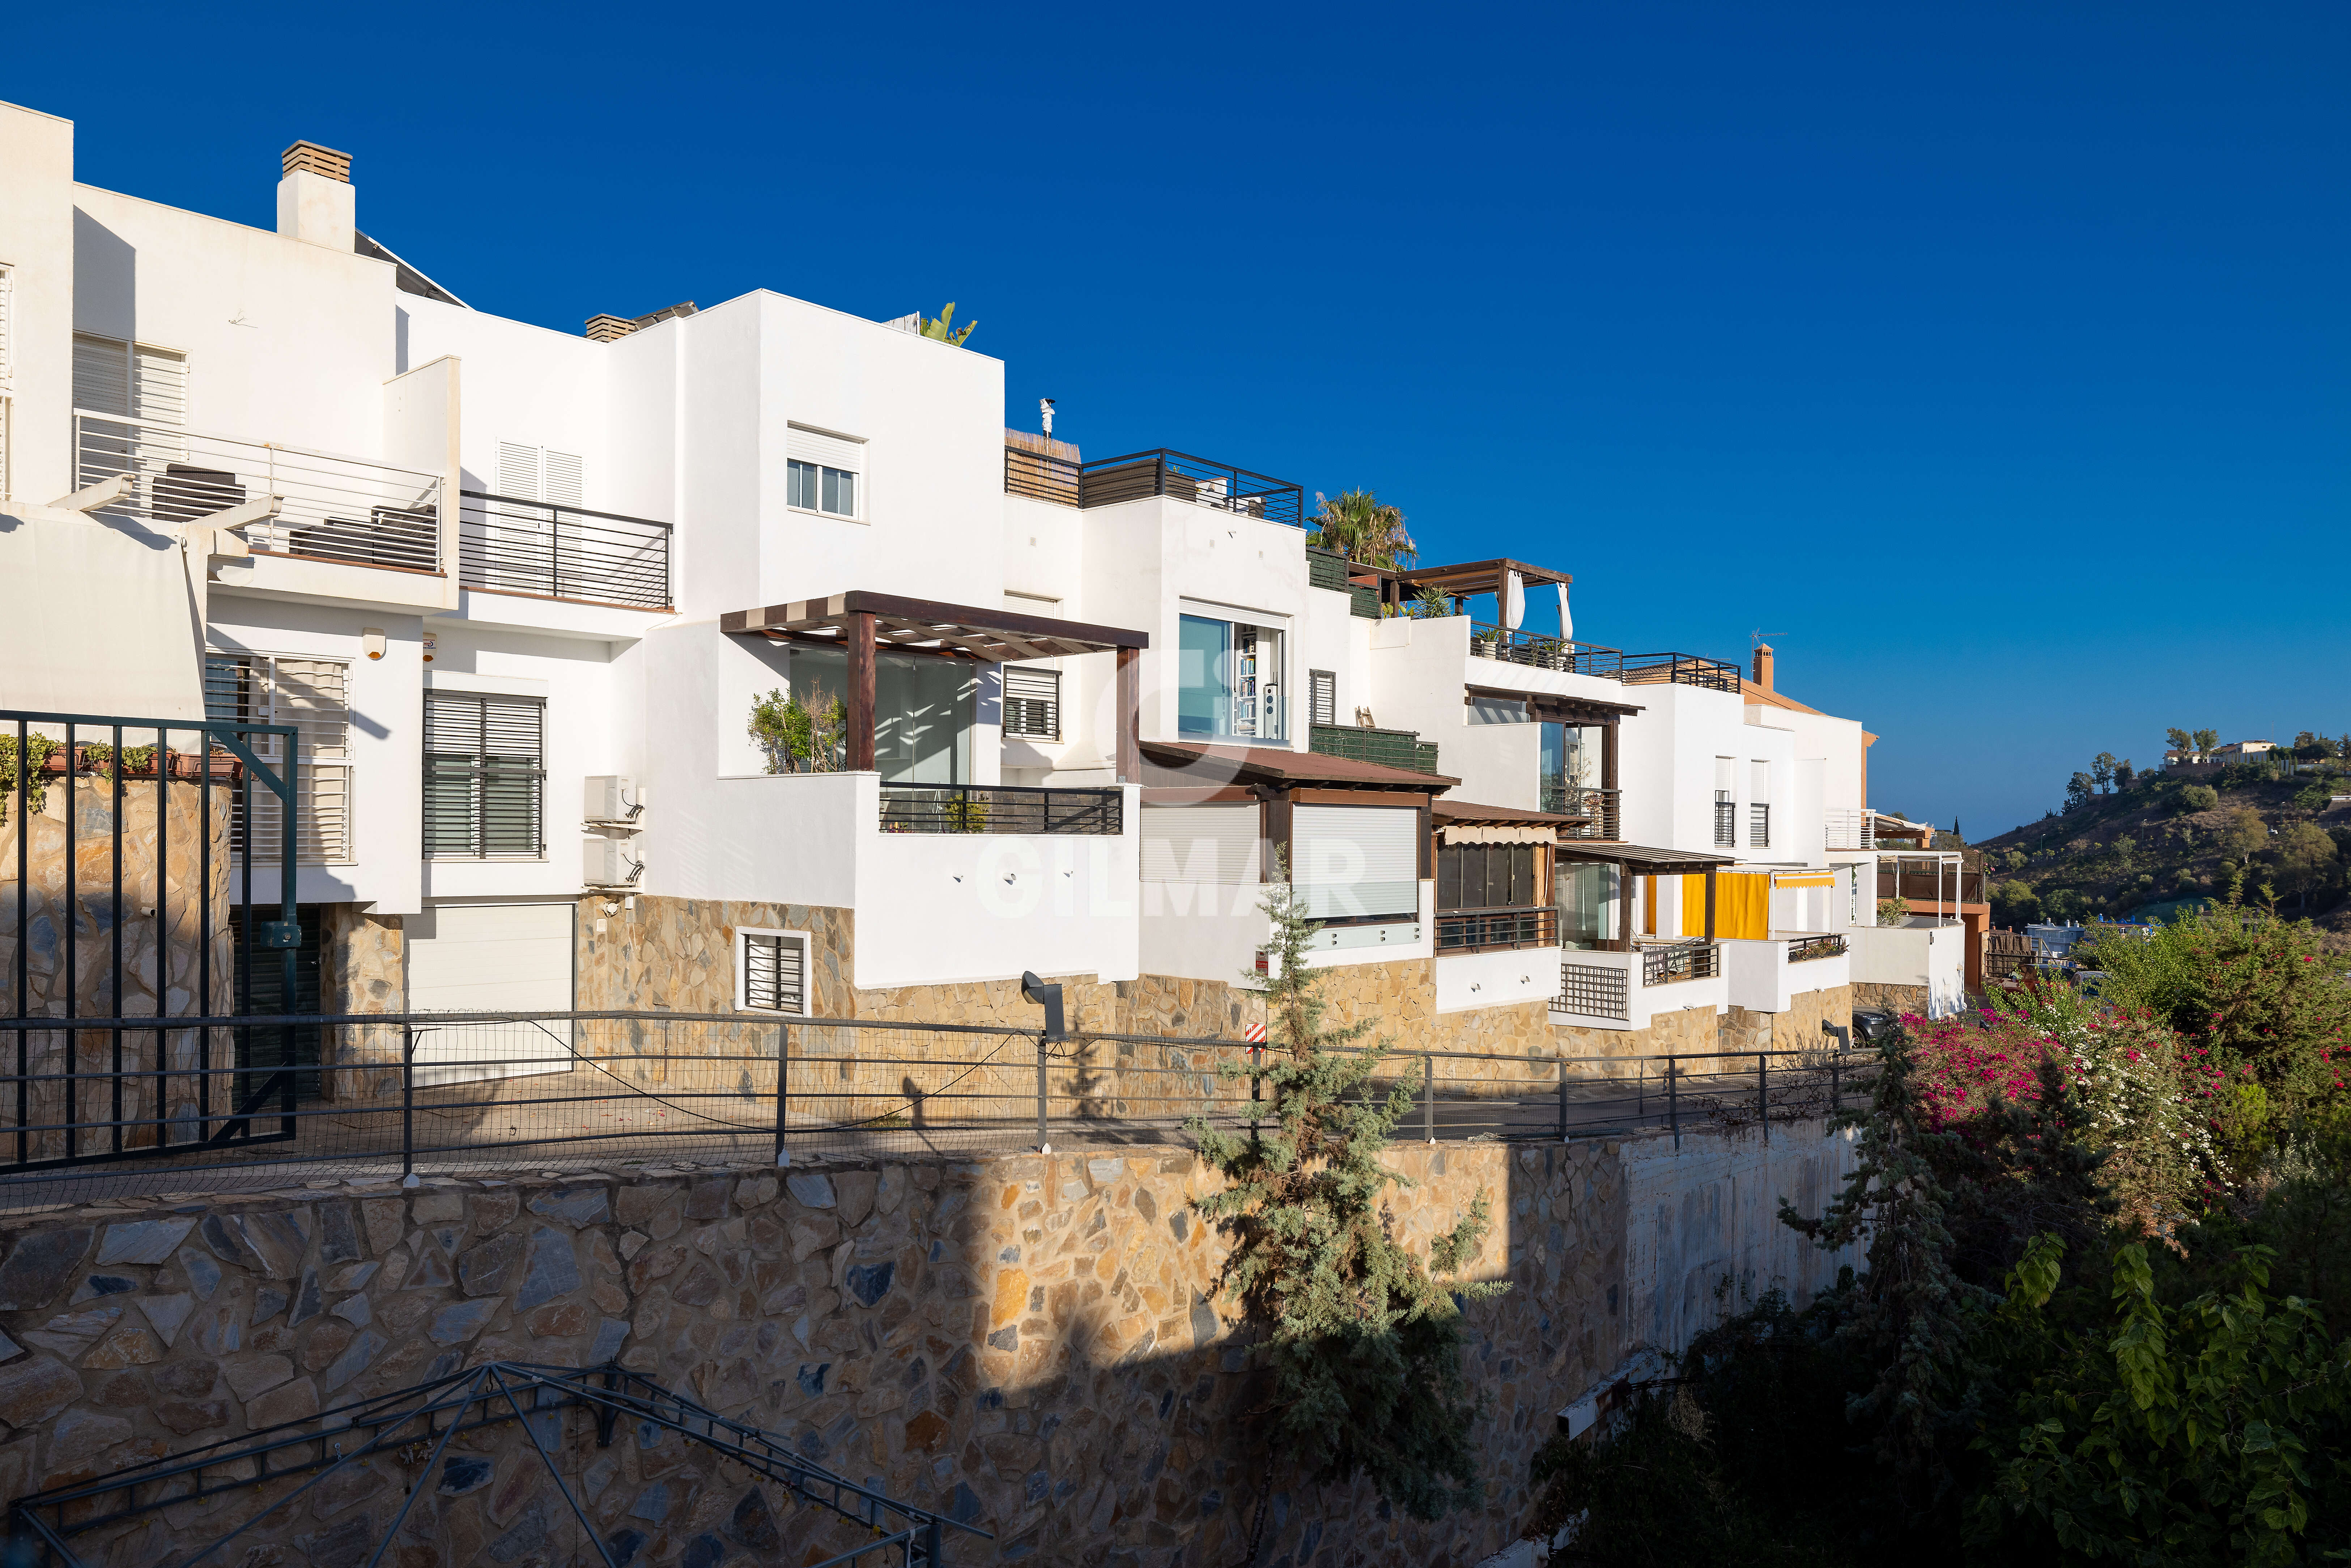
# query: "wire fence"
441, 1094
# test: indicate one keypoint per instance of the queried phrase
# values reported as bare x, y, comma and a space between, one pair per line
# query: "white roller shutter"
490, 957
1355, 861
1215, 844
830, 451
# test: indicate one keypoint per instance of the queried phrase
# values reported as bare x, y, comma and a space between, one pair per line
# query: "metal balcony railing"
1848, 828
1000, 808
1487, 930
1110, 480
345, 509
1517, 646
1681, 669
1389, 747
1593, 990
1802, 949
1599, 807
1726, 824
542, 550
1758, 826
1682, 961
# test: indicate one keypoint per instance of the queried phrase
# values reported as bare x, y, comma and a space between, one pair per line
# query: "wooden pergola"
863, 624
1632, 860
1472, 578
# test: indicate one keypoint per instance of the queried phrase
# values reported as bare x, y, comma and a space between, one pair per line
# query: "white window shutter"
832, 451
159, 386
101, 374
1213, 843
564, 471
1356, 860
518, 472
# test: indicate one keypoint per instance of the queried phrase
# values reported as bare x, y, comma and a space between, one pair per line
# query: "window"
1758, 810
1487, 876
1726, 810
821, 471
1359, 862
540, 474
135, 379
1033, 702
1567, 762
1227, 680
484, 776
771, 972
312, 695
1321, 696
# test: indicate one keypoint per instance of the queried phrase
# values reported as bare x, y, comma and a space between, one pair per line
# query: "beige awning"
1472, 833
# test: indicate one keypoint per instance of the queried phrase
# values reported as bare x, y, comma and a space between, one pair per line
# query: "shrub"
1893, 911
2197, 798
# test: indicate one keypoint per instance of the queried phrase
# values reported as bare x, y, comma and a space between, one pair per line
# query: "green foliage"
1431, 604
1361, 527
39, 749
943, 330
799, 736
2198, 1434
2197, 798
1360, 1337
2013, 903
1893, 911
2205, 739
963, 815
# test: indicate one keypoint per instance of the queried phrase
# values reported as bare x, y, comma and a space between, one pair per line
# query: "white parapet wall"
1932, 957
1466, 980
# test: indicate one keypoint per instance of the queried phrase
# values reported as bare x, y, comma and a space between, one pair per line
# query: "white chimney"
315, 200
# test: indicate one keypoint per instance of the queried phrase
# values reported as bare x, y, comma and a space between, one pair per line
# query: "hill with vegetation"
2261, 832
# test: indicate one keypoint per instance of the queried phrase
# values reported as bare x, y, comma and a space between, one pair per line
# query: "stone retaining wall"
1032, 1343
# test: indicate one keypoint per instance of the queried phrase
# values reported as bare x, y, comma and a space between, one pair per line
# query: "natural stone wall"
1890, 998
159, 923
1032, 1343
362, 961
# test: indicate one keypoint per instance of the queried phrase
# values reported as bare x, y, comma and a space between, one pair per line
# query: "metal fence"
543, 550
1664, 966
346, 510
129, 982
1000, 808
421, 1094
1107, 481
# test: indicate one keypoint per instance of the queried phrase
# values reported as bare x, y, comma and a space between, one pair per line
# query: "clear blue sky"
1993, 356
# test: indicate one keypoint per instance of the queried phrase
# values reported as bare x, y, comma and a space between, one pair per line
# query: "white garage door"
490, 957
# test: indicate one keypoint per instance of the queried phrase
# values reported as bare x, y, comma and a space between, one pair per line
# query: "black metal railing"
1484, 930
1599, 807
1929, 887
543, 550
1682, 961
1389, 747
1108, 481
1000, 808
1758, 826
136, 855
396, 1095
1726, 824
1680, 669
1802, 948
1512, 645
1040, 476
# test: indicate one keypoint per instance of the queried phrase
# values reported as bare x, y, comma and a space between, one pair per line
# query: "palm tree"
1359, 526
944, 329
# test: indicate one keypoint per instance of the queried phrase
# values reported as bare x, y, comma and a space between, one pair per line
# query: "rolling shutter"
1033, 702
1201, 843
1356, 861
828, 451
101, 374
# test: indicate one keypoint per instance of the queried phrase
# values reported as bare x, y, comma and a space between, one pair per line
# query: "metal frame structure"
251, 1085
418, 1423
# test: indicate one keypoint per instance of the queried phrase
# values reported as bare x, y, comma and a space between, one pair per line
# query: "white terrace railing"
345, 509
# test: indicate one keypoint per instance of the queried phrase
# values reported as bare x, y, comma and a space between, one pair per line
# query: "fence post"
1257, 1085
1673, 1102
1562, 1099
1763, 1093
783, 1089
1044, 1142
407, 1100
1835, 1104
1428, 1096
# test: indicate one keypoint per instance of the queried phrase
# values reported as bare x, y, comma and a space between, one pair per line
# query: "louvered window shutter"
830, 451
774, 973
517, 470
483, 775
1322, 696
1214, 843
101, 374
564, 472
159, 386
1032, 702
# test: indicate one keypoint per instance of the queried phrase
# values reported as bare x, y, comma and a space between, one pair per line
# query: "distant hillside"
2163, 840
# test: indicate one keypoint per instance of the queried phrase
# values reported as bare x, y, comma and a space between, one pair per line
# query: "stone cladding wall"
1892, 999
1032, 1343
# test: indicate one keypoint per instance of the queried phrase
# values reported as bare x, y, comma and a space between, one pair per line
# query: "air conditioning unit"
608, 862
612, 798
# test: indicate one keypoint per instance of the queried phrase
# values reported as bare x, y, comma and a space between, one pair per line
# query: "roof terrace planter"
1802, 949
1389, 747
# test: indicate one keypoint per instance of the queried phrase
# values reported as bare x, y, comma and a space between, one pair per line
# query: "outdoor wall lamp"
1040, 994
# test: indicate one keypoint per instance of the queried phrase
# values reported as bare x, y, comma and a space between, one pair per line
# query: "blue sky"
1993, 358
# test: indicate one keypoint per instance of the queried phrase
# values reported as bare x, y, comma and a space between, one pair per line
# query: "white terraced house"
521, 592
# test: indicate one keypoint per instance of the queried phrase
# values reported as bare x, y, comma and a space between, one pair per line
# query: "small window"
771, 972
1322, 696
821, 471
485, 774
1032, 702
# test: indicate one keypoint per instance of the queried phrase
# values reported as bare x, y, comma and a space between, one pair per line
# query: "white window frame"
328, 771
743, 934
814, 445
1006, 699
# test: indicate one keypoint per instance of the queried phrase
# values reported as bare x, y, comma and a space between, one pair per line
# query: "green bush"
2197, 798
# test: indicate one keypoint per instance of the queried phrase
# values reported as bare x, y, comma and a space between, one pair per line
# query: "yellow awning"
1804, 879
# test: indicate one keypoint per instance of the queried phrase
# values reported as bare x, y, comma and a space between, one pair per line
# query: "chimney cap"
309, 157
605, 329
